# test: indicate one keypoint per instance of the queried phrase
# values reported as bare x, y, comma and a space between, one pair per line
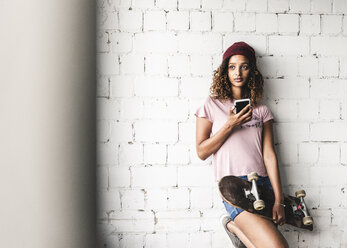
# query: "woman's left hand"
278, 214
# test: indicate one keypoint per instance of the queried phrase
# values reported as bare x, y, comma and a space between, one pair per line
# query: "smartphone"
240, 104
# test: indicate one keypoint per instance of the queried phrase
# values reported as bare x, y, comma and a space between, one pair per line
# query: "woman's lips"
238, 79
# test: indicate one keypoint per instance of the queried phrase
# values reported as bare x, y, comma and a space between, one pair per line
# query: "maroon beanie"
241, 48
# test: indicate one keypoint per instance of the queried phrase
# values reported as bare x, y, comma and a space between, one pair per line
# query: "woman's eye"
232, 67
245, 67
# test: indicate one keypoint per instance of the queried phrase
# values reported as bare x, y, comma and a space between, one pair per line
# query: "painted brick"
178, 20
154, 177
327, 175
108, 109
343, 152
308, 153
108, 201
200, 21
292, 132
131, 109
102, 87
130, 154
331, 24
318, 6
222, 21
212, 4
201, 239
262, 23
121, 42
156, 86
107, 153
333, 88
132, 240
336, 45
308, 109
156, 199
187, 176
310, 24
299, 6
102, 177
179, 65
287, 110
329, 110
178, 154
103, 131
245, 22
332, 131
235, 5
294, 45
167, 5
142, 4
121, 132
155, 240
132, 199
154, 20
201, 65
286, 88
132, 64
193, 4
308, 66
155, 42
107, 64
175, 240
201, 198
158, 131
328, 67
287, 153
256, 5
155, 153
199, 43
195, 86
122, 86
278, 6
119, 177
339, 6
329, 154
138, 225
288, 23
156, 65
130, 21
178, 198
102, 45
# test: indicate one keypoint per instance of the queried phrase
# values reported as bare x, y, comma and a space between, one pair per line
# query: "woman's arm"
206, 145
270, 161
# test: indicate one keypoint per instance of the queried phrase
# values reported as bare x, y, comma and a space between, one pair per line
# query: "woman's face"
238, 70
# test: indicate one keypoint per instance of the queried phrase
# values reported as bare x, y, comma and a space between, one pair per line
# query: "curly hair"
221, 86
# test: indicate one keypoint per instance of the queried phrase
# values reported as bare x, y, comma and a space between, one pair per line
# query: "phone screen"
240, 105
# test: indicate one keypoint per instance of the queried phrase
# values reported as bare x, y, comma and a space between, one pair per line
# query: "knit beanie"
241, 48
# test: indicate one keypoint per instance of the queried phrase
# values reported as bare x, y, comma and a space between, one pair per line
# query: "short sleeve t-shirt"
241, 153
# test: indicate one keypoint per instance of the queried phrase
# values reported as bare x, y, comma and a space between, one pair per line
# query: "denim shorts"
233, 211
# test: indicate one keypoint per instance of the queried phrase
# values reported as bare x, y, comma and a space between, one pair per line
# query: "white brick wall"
155, 63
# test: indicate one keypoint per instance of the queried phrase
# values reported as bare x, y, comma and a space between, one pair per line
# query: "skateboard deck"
232, 190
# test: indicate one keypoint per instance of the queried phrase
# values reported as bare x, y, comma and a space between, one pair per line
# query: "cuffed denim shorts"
233, 211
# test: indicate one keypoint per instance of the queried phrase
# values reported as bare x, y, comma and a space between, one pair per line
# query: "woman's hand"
278, 214
238, 119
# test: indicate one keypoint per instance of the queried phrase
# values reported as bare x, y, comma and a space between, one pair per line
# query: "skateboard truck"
300, 194
258, 204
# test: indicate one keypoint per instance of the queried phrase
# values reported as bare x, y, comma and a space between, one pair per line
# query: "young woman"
241, 143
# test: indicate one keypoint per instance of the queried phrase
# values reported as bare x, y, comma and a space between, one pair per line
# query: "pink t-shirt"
241, 153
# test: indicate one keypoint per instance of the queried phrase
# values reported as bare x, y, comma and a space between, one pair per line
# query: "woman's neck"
237, 93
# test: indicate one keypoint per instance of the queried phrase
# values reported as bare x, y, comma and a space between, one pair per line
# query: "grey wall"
47, 125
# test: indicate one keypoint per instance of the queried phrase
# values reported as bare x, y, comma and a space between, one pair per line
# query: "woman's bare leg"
234, 229
259, 231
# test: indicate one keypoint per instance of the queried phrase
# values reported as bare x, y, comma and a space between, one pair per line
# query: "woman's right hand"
235, 120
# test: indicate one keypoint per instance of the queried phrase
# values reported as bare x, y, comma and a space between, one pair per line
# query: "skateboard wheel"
259, 205
252, 176
307, 220
300, 193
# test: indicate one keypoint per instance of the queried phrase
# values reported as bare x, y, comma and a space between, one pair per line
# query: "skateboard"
260, 200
